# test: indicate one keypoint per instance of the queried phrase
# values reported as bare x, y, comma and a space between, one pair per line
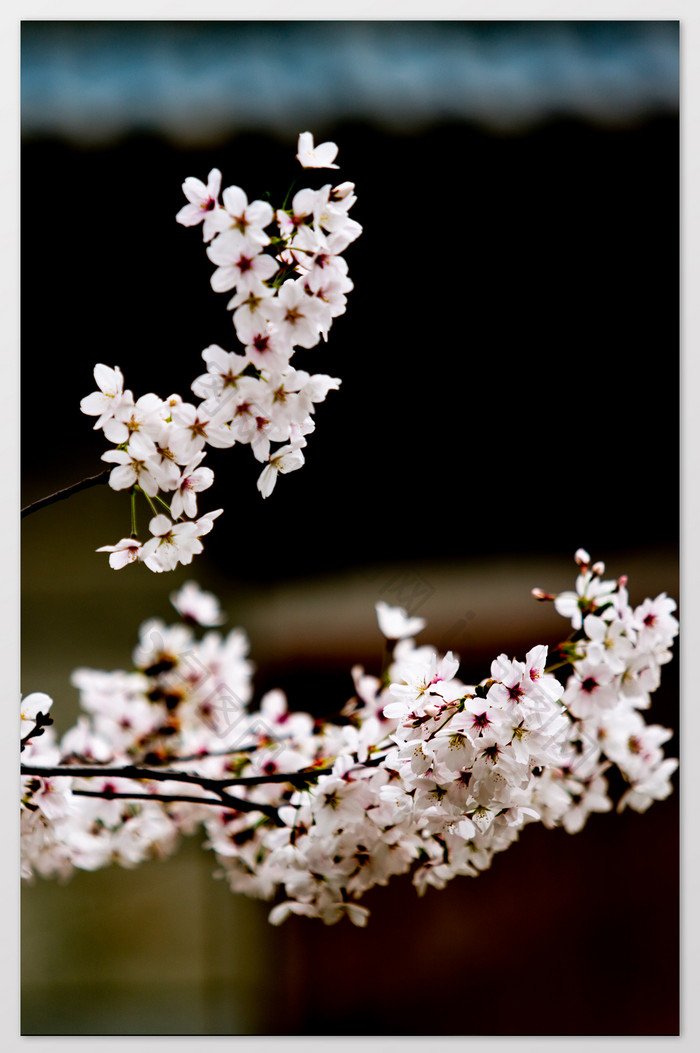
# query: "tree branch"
110, 795
42, 721
131, 771
61, 495
217, 786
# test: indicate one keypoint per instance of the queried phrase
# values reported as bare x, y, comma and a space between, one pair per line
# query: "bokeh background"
509, 365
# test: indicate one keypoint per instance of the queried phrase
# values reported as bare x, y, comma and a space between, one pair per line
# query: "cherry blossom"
192, 480
240, 263
395, 623
195, 605
287, 459
296, 315
126, 551
30, 708
288, 288
203, 200
133, 467
104, 403
427, 774
171, 543
321, 156
421, 772
249, 219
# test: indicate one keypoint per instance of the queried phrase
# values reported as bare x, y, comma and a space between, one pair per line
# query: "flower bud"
341, 191
540, 594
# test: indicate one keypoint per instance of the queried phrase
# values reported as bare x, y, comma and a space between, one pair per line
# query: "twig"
61, 495
110, 795
42, 721
217, 786
133, 771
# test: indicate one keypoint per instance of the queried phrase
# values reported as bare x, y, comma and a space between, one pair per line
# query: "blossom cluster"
288, 285
424, 773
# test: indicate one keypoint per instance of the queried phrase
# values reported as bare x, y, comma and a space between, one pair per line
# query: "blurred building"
201, 82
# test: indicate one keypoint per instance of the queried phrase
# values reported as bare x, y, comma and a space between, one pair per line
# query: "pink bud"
540, 594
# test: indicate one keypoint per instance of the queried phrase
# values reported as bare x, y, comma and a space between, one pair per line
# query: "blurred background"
509, 365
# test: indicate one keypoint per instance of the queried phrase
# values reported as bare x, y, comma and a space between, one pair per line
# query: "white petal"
267, 480
160, 525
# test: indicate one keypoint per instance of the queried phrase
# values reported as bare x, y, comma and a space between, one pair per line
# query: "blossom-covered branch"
288, 284
424, 773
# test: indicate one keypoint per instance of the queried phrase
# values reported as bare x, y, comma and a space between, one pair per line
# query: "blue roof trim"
199, 82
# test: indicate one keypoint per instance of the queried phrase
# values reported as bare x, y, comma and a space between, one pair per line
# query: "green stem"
387, 659
284, 203
153, 507
167, 507
133, 512
557, 665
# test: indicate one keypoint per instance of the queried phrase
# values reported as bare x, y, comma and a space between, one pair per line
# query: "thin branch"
131, 771
42, 721
295, 778
109, 795
78, 758
61, 495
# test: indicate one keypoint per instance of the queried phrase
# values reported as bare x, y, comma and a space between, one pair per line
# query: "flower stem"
293, 184
557, 665
459, 709
166, 506
153, 507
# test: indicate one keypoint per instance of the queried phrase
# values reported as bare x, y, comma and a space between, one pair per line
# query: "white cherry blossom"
321, 156
240, 262
438, 792
395, 623
203, 203
287, 459
250, 219
171, 543
126, 551
104, 403
193, 479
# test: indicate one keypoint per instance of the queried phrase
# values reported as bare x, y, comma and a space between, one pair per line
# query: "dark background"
509, 365
509, 357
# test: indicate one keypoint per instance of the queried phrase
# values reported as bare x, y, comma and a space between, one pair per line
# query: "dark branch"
42, 721
216, 786
61, 495
131, 771
110, 795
